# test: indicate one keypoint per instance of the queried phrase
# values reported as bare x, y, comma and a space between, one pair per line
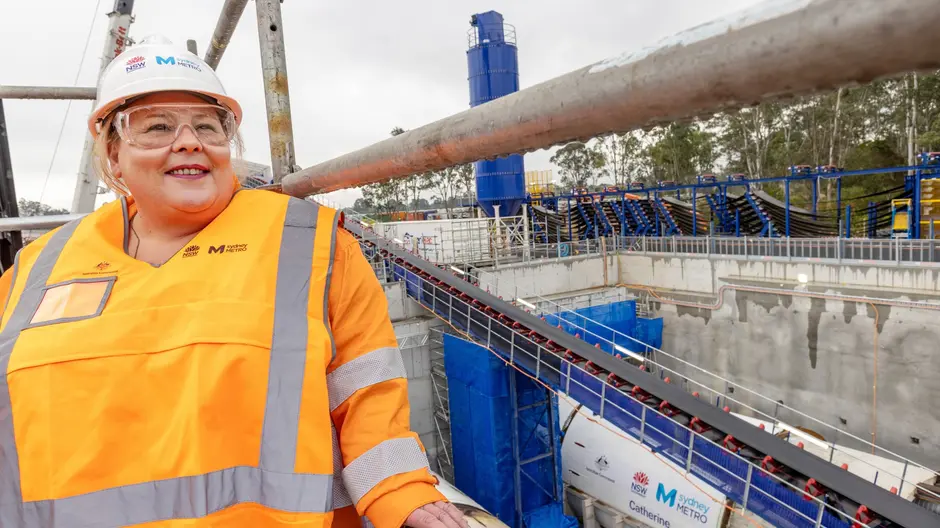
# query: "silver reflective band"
12, 510
341, 497
326, 289
390, 458
289, 341
366, 370
190, 497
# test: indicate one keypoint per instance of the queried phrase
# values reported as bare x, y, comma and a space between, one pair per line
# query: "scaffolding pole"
86, 185
276, 94
224, 29
47, 92
772, 50
10, 242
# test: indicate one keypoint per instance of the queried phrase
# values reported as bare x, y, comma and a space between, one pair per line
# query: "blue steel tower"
493, 63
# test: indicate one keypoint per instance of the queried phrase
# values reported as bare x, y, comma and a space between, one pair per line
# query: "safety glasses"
158, 125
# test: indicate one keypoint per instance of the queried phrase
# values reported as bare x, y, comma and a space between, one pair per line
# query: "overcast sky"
356, 68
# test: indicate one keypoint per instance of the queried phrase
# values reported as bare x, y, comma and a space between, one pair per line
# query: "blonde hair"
108, 137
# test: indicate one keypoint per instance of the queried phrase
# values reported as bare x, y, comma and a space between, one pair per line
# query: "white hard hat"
156, 65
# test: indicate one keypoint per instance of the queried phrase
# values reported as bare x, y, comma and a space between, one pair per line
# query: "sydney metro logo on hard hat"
178, 61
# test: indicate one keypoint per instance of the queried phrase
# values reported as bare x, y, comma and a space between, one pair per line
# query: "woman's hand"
436, 515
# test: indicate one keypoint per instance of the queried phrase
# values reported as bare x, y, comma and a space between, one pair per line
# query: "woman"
198, 355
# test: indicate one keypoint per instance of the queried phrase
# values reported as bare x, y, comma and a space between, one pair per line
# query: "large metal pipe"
25, 223
776, 49
12, 242
276, 93
224, 29
47, 92
86, 184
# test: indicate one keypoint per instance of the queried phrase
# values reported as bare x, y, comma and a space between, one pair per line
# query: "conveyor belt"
448, 291
802, 223
682, 213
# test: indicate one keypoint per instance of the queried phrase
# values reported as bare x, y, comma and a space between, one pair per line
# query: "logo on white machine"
601, 463
640, 483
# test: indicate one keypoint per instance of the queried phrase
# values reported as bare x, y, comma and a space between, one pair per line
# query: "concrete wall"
814, 354
560, 276
409, 319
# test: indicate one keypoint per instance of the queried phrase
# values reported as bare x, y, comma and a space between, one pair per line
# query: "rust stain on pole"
775, 50
224, 29
276, 92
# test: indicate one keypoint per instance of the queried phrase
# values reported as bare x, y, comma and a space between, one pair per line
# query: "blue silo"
493, 63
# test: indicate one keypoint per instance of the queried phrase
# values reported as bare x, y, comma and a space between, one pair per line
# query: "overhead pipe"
26, 223
48, 92
777, 49
224, 29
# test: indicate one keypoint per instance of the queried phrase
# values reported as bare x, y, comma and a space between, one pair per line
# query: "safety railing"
890, 252
703, 381
473, 35
760, 490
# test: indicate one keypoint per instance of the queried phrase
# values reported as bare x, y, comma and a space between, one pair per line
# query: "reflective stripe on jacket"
206, 391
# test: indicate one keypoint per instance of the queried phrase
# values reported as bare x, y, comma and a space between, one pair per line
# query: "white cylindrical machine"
477, 516
604, 465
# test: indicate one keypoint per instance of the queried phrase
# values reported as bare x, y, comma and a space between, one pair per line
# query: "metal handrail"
473, 35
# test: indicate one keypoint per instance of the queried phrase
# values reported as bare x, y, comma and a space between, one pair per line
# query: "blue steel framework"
764, 474
728, 221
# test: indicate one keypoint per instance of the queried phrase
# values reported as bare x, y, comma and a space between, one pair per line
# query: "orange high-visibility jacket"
254, 379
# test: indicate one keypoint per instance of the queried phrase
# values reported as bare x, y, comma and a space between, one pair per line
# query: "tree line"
882, 124
446, 188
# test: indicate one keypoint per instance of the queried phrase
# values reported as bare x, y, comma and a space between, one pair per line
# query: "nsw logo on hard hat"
135, 63
177, 61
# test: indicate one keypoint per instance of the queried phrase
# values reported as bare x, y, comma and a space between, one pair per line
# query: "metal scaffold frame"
620, 206
441, 404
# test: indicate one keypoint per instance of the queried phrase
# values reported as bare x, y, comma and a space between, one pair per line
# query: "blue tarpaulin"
615, 322
551, 516
482, 433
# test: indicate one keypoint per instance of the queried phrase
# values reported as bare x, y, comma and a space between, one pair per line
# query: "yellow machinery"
901, 218
930, 208
539, 184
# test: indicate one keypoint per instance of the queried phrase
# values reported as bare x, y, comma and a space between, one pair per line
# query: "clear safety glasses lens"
157, 126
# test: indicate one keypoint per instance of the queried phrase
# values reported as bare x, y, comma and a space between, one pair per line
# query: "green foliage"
31, 208
679, 152
581, 166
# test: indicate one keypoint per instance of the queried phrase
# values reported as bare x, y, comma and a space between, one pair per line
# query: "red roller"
770, 465
699, 426
731, 444
812, 489
862, 515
